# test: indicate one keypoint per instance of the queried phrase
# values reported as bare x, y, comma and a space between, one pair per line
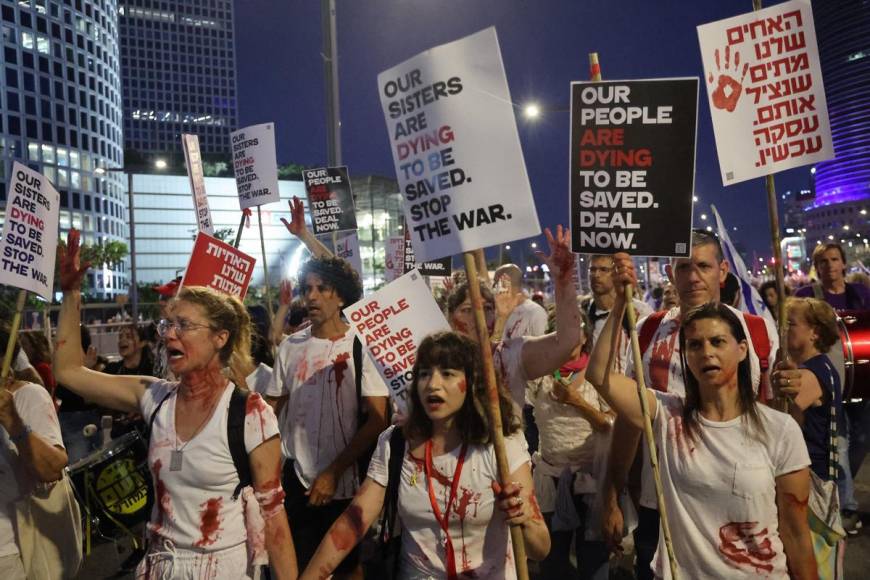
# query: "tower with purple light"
839, 211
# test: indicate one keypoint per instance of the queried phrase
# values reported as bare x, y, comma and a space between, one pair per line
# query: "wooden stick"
265, 268
595, 74
493, 407
13, 336
239, 233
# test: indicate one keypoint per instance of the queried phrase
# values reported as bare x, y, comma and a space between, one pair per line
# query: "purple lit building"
842, 186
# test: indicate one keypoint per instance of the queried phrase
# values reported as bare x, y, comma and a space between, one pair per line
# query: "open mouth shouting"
434, 402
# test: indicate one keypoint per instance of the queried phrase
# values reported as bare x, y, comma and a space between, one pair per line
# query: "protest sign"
442, 267
347, 248
255, 165
633, 166
220, 266
394, 258
453, 135
193, 160
391, 323
764, 84
29, 243
330, 199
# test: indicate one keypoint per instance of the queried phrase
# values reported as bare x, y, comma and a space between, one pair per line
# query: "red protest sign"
219, 266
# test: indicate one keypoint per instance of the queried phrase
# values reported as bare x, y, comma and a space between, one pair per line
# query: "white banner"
455, 146
391, 323
764, 85
255, 165
347, 247
394, 260
193, 160
29, 243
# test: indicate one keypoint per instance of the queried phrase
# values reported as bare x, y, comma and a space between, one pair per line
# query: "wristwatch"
16, 439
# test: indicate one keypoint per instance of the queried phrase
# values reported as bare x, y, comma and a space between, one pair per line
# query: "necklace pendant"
175, 459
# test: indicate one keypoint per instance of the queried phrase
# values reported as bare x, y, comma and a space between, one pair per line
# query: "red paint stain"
660, 362
742, 548
210, 521
463, 386
460, 326
256, 404
536, 509
340, 366
164, 509
564, 260
677, 434
348, 529
302, 369
795, 503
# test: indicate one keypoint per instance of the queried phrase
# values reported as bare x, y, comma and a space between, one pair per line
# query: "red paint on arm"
210, 521
564, 260
348, 529
794, 503
536, 509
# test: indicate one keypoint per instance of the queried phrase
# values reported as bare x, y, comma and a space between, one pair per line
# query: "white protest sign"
255, 165
394, 259
347, 247
29, 243
764, 84
391, 324
193, 160
453, 135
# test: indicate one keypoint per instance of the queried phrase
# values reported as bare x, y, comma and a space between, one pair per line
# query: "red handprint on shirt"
728, 89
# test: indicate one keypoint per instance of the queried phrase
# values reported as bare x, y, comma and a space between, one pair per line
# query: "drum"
114, 482
855, 336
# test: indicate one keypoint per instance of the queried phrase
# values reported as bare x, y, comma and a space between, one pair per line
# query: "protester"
574, 424
447, 495
35, 346
697, 280
733, 471
330, 420
165, 293
524, 316
31, 452
770, 296
829, 261
522, 359
670, 296
860, 278
136, 357
200, 524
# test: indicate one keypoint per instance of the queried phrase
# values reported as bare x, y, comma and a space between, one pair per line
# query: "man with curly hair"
328, 422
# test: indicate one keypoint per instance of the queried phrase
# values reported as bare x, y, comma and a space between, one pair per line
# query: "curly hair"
821, 317
451, 350
225, 313
336, 273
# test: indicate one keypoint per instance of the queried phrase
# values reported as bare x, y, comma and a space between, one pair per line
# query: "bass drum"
855, 336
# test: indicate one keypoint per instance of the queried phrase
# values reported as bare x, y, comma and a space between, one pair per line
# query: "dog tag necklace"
176, 456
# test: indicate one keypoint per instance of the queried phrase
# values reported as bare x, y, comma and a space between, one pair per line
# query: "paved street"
104, 562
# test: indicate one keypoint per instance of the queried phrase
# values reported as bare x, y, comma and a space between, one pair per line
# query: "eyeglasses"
180, 327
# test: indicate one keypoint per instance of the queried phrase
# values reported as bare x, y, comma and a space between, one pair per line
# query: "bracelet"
16, 439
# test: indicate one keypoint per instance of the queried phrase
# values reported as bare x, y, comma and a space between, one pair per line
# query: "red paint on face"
210, 521
463, 386
460, 326
744, 549
339, 365
348, 529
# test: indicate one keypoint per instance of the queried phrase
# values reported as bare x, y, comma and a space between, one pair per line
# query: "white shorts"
164, 561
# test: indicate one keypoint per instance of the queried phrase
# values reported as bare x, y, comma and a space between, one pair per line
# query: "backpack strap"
151, 419
394, 472
648, 329
818, 293
236, 439
357, 376
761, 345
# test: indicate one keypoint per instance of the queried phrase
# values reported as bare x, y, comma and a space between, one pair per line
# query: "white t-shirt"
259, 380
193, 506
320, 417
720, 492
526, 319
481, 540
663, 371
507, 357
36, 409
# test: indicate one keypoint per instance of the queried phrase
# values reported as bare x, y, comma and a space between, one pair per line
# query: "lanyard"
443, 521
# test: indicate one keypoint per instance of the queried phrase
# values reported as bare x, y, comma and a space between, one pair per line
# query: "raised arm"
542, 355
285, 298
296, 226
121, 393
619, 391
347, 531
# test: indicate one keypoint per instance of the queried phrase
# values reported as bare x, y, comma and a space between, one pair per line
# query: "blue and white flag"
750, 299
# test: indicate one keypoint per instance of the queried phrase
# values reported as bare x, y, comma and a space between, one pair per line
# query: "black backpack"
235, 435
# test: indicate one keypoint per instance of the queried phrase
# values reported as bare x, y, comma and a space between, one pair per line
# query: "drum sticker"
121, 487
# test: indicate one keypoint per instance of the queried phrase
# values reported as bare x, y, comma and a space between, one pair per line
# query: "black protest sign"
330, 199
633, 166
441, 267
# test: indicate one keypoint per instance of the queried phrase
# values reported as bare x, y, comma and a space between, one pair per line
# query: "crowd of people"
277, 447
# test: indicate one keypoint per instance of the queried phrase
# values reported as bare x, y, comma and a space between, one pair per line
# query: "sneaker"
851, 522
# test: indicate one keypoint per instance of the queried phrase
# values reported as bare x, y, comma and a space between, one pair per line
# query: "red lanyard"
445, 520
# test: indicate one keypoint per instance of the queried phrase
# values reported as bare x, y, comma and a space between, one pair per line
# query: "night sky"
544, 45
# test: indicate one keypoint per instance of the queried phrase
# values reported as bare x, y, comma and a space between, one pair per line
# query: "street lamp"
532, 111
133, 291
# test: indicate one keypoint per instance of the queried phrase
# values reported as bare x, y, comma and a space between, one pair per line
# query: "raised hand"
71, 271
561, 260
286, 295
623, 272
296, 225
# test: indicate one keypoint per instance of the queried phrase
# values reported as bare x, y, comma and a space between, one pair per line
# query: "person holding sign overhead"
734, 472
200, 426
438, 475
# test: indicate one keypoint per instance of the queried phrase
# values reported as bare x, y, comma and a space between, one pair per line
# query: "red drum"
855, 336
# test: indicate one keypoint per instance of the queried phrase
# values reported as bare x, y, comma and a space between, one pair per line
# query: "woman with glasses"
199, 524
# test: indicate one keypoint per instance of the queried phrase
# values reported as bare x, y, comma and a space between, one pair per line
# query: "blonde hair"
821, 316
225, 313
